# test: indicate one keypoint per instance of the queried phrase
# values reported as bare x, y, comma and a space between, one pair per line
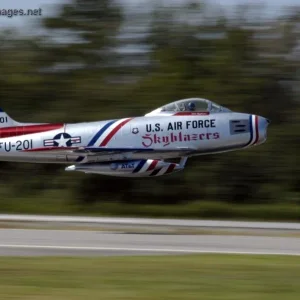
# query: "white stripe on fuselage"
253, 129
108, 131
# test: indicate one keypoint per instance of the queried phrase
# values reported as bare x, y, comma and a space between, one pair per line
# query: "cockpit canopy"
189, 105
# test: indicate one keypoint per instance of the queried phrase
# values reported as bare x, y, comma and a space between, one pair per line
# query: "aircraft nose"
263, 124
263, 121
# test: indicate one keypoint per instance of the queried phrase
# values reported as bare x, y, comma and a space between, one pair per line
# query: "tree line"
80, 69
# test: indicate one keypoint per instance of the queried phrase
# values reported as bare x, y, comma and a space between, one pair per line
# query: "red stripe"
50, 149
191, 113
29, 129
170, 168
256, 129
113, 132
152, 165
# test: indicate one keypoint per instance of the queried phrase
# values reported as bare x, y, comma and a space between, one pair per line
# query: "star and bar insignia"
62, 140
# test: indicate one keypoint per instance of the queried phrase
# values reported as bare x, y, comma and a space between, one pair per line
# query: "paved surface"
105, 221
24, 242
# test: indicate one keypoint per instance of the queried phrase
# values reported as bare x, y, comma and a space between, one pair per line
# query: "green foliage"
73, 74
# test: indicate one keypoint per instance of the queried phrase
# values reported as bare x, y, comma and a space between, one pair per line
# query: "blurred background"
88, 60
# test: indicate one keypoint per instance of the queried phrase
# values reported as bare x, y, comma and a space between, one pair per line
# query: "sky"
49, 8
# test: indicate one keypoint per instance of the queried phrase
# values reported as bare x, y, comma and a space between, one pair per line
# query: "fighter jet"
142, 146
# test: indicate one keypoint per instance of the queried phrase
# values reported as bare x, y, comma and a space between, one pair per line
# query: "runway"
32, 242
110, 222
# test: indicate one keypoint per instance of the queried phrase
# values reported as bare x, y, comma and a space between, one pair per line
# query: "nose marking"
251, 131
256, 130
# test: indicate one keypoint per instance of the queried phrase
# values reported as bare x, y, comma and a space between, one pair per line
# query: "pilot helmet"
192, 106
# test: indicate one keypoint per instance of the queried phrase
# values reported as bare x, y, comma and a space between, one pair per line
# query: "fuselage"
201, 134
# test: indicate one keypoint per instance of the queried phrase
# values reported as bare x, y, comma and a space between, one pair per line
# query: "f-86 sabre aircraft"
134, 147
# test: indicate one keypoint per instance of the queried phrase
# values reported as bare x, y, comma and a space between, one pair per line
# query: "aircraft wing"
105, 153
104, 150
131, 153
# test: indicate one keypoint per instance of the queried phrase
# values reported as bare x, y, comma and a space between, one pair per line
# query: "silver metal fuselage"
164, 137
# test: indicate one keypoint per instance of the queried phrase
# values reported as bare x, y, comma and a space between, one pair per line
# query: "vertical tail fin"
6, 120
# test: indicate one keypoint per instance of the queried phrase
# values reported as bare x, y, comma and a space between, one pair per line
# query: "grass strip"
151, 277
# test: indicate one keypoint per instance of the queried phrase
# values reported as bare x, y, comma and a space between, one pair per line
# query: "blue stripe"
251, 130
100, 132
139, 166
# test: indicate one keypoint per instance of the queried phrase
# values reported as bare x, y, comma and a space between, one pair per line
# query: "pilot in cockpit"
191, 106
